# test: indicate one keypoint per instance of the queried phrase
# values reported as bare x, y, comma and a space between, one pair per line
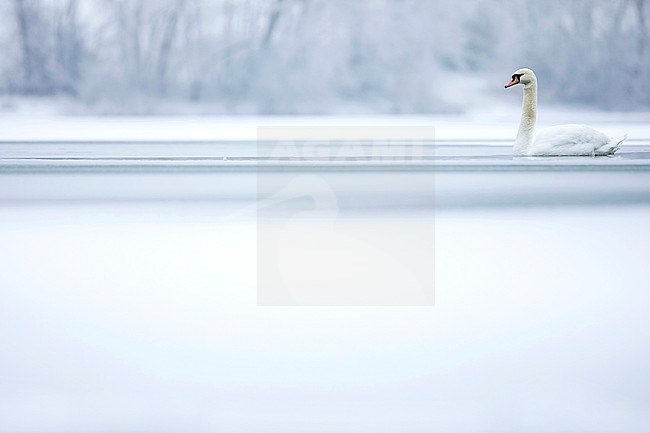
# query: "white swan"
559, 140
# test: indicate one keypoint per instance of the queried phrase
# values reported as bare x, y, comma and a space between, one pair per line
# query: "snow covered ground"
499, 124
133, 317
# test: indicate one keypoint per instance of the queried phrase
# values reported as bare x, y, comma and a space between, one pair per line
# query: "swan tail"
612, 146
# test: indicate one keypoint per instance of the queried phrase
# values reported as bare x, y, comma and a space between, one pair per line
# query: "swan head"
523, 76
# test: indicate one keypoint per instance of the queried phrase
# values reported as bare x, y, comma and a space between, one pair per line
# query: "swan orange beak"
515, 80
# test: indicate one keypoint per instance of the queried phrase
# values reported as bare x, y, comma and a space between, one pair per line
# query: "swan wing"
569, 140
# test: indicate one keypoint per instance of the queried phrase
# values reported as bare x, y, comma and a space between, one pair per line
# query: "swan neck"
526, 132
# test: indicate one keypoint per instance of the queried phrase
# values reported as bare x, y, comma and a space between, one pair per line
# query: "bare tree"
69, 48
34, 43
301, 56
274, 16
169, 33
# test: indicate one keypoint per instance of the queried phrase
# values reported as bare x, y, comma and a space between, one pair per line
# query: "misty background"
319, 56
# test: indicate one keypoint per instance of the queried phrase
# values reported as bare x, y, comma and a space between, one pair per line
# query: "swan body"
574, 140
561, 140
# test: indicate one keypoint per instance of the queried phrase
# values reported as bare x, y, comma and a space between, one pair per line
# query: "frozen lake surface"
364, 176
129, 273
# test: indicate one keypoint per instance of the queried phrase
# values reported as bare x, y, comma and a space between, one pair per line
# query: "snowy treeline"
320, 56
